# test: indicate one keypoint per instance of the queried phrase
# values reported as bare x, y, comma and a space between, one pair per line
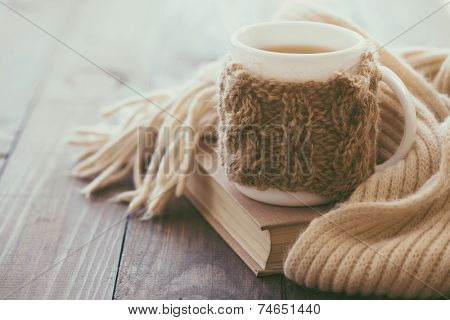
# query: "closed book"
259, 233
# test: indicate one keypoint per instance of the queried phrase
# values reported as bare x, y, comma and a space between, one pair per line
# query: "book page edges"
232, 243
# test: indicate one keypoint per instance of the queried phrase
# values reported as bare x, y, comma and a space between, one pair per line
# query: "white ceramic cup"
347, 47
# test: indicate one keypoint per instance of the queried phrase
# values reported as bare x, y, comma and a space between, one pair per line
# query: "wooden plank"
179, 256
25, 56
43, 217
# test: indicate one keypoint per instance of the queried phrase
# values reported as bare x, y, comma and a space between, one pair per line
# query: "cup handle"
410, 128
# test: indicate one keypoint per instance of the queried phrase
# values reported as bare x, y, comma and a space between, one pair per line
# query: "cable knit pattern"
311, 136
392, 236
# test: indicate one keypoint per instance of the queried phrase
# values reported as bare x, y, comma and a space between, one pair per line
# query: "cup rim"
234, 39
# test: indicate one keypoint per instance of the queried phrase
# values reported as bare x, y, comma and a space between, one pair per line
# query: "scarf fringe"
113, 150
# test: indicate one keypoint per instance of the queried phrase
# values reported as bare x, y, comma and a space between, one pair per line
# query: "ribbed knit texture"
316, 136
392, 236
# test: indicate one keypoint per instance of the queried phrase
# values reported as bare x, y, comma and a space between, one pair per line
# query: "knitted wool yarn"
311, 136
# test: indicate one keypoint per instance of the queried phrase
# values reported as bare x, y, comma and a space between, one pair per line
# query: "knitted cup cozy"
310, 136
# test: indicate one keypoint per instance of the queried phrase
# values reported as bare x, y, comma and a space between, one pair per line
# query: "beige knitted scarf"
390, 237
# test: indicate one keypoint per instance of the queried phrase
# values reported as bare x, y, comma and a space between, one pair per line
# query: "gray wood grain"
179, 256
53, 242
24, 58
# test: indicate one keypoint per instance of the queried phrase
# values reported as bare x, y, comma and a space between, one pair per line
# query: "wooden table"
56, 244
